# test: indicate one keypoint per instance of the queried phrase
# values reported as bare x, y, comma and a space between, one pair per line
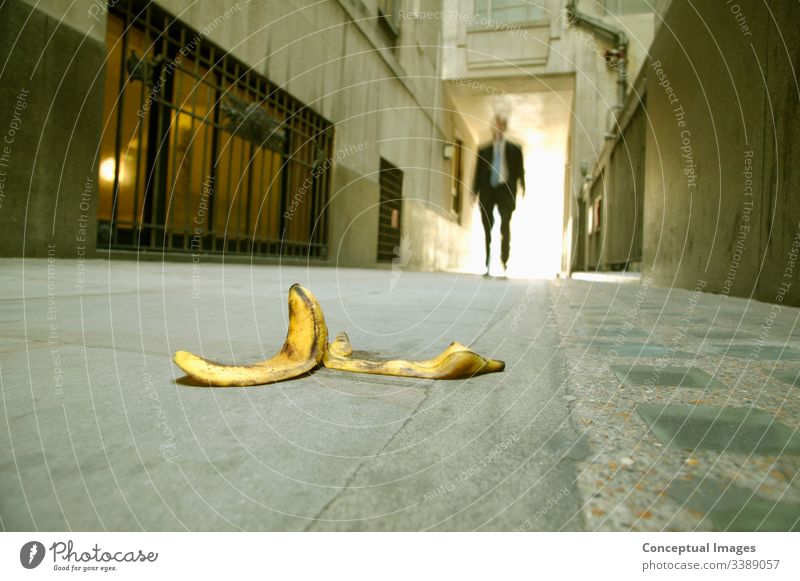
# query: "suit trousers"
505, 200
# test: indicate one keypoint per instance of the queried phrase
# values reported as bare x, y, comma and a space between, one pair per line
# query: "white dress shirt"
501, 143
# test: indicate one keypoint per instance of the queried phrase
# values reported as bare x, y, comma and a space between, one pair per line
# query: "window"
508, 10
389, 215
620, 7
201, 154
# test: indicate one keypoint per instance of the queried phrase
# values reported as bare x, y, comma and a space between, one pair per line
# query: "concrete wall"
722, 183
50, 111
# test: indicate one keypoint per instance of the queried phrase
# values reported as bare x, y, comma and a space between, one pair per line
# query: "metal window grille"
200, 153
389, 218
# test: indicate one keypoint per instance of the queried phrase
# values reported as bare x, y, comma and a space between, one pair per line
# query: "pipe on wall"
619, 54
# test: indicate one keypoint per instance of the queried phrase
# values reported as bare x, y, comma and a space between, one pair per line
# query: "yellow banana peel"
302, 350
306, 347
456, 362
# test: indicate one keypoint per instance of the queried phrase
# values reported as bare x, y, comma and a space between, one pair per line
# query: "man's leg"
487, 219
505, 232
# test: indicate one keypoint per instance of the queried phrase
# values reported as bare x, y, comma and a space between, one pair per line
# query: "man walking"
497, 172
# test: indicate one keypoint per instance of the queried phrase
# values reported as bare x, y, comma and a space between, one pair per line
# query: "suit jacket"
483, 169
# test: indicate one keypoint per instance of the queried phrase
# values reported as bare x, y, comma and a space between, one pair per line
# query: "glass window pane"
129, 172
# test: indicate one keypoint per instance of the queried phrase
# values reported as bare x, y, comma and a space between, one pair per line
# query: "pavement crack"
354, 474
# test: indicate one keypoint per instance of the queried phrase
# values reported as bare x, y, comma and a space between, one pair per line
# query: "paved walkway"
623, 406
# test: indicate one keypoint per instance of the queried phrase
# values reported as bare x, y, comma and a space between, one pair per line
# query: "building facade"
344, 133
262, 129
562, 70
704, 155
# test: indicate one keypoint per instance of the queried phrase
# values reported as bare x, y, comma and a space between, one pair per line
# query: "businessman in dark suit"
498, 172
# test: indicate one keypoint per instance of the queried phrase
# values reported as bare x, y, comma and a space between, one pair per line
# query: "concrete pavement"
99, 433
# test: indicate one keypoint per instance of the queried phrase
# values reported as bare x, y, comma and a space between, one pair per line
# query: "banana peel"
305, 344
456, 362
306, 347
